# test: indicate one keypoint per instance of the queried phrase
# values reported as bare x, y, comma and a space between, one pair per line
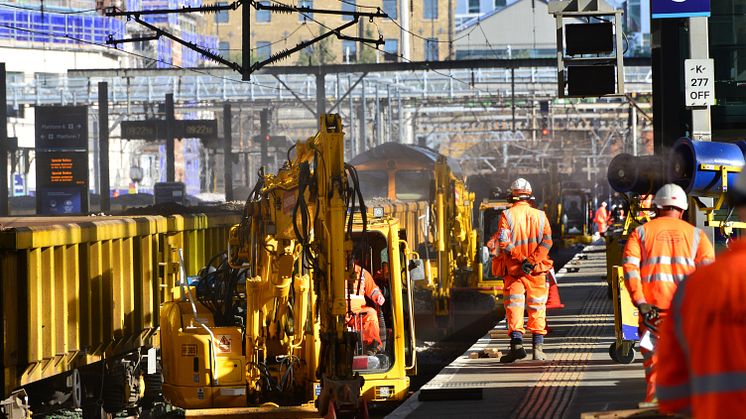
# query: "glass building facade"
728, 48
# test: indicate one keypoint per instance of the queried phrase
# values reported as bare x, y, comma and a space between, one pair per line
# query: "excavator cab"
489, 223
575, 219
375, 261
390, 262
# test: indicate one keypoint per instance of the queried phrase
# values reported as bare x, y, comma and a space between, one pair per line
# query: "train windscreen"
374, 183
573, 216
413, 185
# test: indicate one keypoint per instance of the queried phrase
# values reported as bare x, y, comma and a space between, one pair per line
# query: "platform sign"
18, 184
662, 9
61, 128
61, 160
699, 77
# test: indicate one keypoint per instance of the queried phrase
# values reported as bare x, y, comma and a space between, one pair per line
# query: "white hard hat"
520, 187
671, 195
603, 203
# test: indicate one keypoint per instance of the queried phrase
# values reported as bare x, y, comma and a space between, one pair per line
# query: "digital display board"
62, 168
155, 129
61, 160
60, 201
149, 130
204, 129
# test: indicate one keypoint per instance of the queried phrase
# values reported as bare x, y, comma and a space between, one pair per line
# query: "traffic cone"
553, 300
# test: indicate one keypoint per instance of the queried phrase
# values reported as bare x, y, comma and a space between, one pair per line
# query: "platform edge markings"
564, 369
574, 357
567, 365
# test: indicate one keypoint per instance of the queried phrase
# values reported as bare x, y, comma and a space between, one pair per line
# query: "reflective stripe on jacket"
702, 347
659, 255
525, 233
367, 288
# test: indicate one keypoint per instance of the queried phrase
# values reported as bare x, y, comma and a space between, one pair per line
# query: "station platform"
578, 376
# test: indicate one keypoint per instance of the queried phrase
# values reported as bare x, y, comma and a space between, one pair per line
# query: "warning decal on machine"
289, 198
223, 344
188, 350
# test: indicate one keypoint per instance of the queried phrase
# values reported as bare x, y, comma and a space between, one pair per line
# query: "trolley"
625, 320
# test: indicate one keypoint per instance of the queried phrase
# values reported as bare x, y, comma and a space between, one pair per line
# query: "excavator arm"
295, 242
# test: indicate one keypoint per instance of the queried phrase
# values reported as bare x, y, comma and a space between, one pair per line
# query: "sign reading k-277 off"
699, 77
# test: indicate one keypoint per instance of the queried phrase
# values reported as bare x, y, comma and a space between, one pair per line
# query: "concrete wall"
518, 26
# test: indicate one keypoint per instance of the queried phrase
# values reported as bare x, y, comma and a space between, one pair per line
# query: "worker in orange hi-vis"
657, 257
602, 219
525, 238
366, 318
702, 347
497, 267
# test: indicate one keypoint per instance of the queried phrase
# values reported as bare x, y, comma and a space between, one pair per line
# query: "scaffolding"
55, 28
28, 28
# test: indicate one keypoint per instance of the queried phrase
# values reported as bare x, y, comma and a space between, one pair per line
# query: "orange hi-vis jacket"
525, 233
659, 255
702, 347
360, 290
602, 219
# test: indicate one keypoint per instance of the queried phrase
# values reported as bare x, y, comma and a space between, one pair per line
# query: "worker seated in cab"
364, 318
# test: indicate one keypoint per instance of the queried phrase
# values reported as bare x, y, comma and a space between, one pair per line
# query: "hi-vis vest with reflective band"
702, 346
525, 233
367, 288
659, 255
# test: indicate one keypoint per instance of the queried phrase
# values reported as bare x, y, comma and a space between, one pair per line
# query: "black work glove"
527, 267
644, 308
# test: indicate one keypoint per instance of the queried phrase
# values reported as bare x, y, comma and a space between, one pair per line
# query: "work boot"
539, 354
515, 353
538, 343
372, 348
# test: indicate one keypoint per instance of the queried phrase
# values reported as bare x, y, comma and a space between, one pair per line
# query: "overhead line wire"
399, 55
416, 35
84, 41
48, 10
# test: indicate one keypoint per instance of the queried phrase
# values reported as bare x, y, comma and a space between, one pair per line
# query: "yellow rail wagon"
80, 300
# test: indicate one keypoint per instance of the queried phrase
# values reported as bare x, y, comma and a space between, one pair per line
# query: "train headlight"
384, 392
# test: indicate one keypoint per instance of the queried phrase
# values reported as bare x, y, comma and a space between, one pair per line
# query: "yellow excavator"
455, 239
482, 278
574, 214
268, 330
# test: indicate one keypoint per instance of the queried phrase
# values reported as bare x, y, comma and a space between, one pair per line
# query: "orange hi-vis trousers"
366, 322
650, 363
526, 292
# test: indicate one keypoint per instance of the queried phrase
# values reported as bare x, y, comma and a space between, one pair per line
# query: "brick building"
430, 30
